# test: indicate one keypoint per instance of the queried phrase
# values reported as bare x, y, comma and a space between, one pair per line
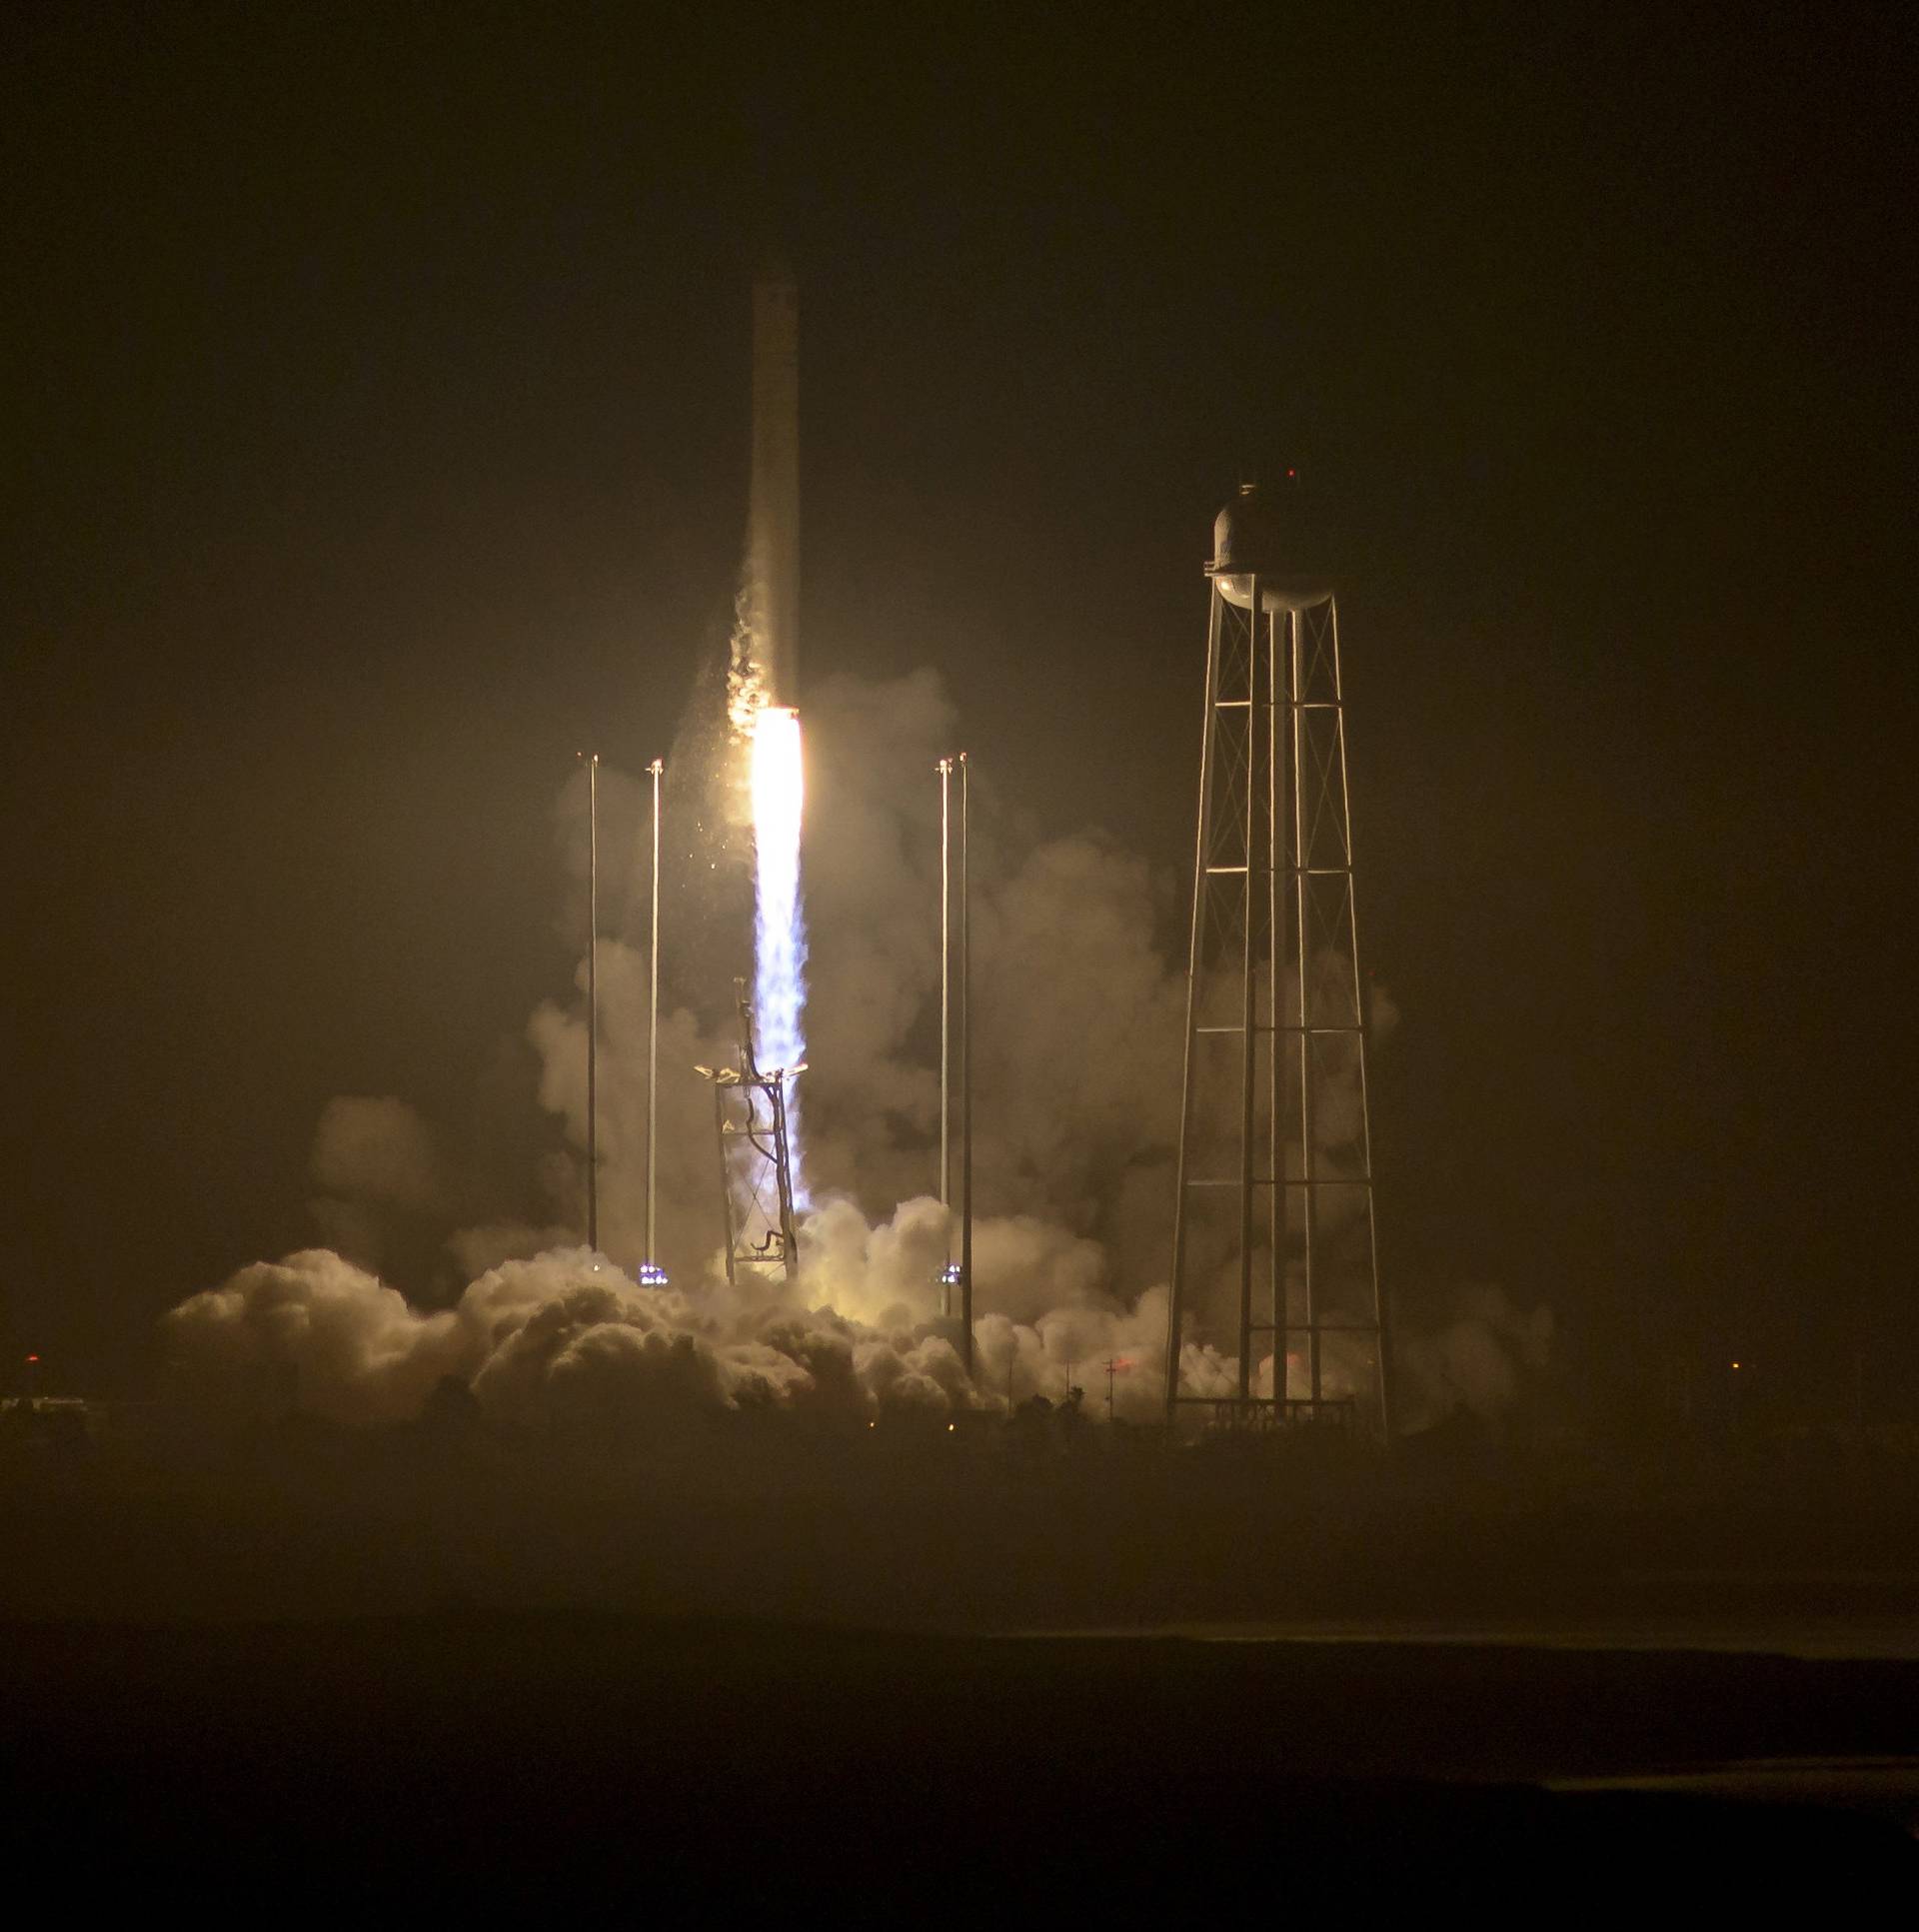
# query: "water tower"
1273, 1255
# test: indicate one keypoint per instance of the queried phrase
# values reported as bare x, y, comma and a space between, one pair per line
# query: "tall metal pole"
656, 768
1248, 1003
592, 1001
1276, 643
946, 993
965, 1079
1305, 1005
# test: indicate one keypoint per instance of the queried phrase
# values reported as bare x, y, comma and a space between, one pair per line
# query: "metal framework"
956, 1274
656, 771
1275, 1255
593, 999
756, 1169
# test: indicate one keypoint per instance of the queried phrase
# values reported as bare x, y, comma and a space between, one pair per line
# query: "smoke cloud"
566, 1340
1078, 1042
1478, 1356
379, 1173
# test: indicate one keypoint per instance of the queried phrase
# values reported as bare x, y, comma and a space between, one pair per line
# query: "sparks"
779, 936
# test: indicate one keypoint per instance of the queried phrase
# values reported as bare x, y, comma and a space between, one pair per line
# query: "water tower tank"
1247, 542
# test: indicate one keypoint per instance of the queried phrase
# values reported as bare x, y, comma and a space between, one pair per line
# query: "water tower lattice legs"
1275, 1258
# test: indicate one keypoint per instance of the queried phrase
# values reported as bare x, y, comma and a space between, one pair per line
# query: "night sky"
376, 435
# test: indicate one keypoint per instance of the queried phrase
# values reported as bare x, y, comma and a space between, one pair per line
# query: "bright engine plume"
780, 934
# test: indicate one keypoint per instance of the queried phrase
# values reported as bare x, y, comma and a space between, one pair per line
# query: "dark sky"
375, 389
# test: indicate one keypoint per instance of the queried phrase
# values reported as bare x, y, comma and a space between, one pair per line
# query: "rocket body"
772, 526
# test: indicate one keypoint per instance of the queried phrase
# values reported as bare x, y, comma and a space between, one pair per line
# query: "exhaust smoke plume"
1077, 1017
779, 930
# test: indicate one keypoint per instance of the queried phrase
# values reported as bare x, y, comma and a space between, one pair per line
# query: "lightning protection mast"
1273, 1252
652, 1273
956, 1017
593, 999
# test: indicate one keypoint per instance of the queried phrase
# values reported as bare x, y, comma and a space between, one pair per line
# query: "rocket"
773, 521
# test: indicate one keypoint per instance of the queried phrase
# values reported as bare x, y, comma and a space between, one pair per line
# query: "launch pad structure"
1273, 1233
756, 1164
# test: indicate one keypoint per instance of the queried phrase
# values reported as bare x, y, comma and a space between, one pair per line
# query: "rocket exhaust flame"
779, 936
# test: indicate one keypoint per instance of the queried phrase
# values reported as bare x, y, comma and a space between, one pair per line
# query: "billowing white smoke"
1077, 1015
1078, 1026
315, 1332
566, 1337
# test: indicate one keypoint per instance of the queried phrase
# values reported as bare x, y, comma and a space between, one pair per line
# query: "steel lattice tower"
755, 1165
1273, 1238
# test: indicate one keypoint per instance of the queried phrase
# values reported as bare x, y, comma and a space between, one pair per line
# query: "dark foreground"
383, 1680
588, 1765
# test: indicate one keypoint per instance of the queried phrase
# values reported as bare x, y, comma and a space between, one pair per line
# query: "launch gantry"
756, 1166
